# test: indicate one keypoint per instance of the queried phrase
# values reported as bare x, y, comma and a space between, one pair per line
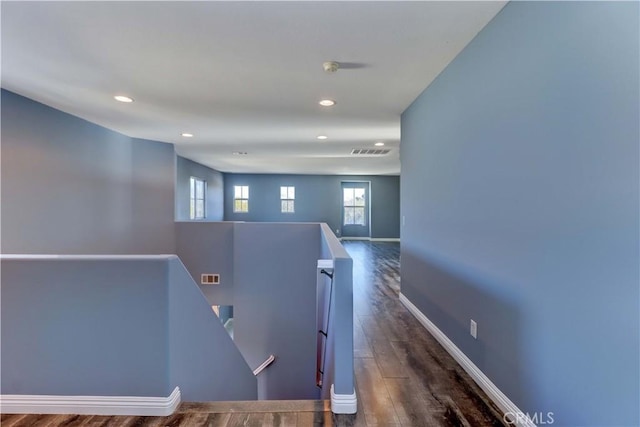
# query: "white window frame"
243, 192
287, 199
194, 198
353, 207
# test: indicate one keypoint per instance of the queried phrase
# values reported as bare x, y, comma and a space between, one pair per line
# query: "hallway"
403, 376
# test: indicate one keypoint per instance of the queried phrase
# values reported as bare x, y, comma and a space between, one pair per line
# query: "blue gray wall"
203, 360
185, 169
207, 248
520, 190
274, 305
338, 369
318, 199
70, 186
69, 329
268, 274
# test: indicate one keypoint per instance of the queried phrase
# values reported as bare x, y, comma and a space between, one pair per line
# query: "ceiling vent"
370, 151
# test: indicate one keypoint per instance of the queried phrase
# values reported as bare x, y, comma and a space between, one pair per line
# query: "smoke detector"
330, 66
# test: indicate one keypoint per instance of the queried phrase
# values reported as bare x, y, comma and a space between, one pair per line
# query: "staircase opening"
225, 314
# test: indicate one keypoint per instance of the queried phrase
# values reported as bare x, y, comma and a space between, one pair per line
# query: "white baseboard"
90, 405
344, 403
372, 239
516, 416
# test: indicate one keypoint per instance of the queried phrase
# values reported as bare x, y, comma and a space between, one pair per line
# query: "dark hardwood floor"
403, 376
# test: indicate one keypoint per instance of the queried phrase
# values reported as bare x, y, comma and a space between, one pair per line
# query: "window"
287, 199
354, 206
241, 198
197, 205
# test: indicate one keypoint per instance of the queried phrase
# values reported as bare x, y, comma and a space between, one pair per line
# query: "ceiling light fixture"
330, 66
327, 102
123, 98
187, 135
240, 153
322, 137
379, 144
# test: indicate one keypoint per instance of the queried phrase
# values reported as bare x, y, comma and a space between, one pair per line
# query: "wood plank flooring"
403, 376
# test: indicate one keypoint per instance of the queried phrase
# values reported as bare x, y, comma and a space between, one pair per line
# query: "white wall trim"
372, 239
344, 403
517, 417
90, 405
325, 263
31, 257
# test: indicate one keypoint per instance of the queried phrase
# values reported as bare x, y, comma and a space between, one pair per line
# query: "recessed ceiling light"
327, 102
379, 144
330, 66
187, 135
123, 98
322, 137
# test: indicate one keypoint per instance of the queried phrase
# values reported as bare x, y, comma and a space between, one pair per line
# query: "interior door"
355, 209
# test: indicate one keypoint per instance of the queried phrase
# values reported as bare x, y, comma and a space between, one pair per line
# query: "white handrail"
264, 365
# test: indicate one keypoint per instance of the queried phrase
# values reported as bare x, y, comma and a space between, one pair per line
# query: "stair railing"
322, 356
264, 365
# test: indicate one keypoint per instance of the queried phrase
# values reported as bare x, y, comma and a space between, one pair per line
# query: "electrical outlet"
209, 279
473, 330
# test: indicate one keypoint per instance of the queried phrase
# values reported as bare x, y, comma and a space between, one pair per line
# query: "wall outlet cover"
473, 329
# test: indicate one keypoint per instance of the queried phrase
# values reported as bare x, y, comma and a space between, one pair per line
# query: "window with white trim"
287, 199
241, 198
354, 206
197, 198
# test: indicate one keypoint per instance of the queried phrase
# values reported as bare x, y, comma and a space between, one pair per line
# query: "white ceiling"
240, 76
